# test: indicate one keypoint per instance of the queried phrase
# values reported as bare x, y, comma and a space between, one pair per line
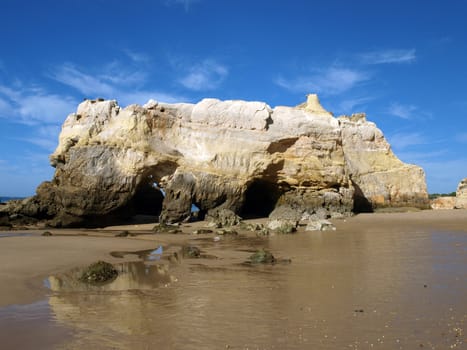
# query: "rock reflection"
368, 287
132, 276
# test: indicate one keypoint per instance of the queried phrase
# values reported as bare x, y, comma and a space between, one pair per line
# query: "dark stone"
123, 234
191, 252
262, 256
99, 272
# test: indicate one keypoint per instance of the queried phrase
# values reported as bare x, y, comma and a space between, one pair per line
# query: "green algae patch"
99, 272
262, 256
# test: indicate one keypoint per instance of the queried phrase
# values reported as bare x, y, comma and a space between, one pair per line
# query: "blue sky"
404, 63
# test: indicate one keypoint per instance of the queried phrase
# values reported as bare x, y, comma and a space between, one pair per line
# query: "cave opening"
146, 203
148, 198
361, 204
260, 199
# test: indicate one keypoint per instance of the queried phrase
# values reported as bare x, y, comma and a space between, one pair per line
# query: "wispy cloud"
403, 140
117, 81
419, 157
332, 81
136, 56
461, 137
87, 84
349, 105
185, 3
45, 136
389, 56
5, 107
207, 75
32, 105
402, 111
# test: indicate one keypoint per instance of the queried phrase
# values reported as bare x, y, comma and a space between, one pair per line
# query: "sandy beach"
392, 280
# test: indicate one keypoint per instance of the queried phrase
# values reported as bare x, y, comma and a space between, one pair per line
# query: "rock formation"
441, 203
247, 157
379, 177
461, 195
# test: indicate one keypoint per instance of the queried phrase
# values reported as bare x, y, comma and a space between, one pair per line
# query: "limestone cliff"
379, 177
461, 195
159, 158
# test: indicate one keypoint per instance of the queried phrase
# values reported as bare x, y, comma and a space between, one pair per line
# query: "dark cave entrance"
146, 204
260, 199
361, 204
148, 198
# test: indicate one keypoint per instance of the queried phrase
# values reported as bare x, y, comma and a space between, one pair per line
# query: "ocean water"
4, 199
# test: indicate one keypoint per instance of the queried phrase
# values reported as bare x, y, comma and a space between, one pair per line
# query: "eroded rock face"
461, 195
441, 203
243, 156
380, 179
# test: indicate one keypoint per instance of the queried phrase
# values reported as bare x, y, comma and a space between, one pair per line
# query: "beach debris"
99, 272
262, 256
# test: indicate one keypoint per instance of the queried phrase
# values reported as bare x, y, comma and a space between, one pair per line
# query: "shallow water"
389, 287
15, 234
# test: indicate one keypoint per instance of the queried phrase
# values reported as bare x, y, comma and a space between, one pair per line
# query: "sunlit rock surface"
443, 203
160, 159
461, 195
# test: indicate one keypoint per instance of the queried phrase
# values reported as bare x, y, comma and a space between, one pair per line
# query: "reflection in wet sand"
360, 289
383, 284
131, 276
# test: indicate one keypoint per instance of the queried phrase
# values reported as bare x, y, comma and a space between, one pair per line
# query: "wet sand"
380, 281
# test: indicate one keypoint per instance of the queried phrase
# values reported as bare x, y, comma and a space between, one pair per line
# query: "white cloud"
332, 81
388, 56
207, 75
44, 108
402, 111
116, 82
87, 84
31, 105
